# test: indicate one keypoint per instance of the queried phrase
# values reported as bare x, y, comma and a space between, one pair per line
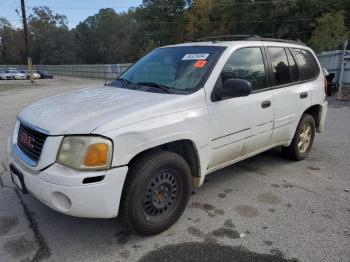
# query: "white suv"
134, 148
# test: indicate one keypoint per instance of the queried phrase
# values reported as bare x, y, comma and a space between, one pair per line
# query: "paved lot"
264, 209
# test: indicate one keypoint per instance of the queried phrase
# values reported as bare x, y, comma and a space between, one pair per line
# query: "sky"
75, 10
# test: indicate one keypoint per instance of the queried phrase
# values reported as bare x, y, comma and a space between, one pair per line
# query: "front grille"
30, 141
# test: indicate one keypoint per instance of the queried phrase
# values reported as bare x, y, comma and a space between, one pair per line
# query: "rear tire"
303, 139
156, 192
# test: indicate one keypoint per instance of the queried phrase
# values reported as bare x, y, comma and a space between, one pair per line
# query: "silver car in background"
16, 74
5, 76
35, 74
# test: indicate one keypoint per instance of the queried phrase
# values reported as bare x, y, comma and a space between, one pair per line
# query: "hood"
82, 111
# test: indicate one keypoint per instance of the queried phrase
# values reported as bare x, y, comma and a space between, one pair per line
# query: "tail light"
326, 86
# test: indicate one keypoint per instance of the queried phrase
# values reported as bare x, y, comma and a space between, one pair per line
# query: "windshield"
174, 69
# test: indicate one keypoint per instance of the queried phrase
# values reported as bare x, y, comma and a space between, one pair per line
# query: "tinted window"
307, 64
247, 64
293, 67
280, 66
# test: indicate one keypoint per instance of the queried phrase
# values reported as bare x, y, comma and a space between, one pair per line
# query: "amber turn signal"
96, 155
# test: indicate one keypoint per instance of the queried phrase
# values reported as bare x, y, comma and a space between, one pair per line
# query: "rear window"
280, 66
307, 64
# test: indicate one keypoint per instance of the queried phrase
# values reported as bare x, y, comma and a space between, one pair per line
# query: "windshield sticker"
195, 57
200, 63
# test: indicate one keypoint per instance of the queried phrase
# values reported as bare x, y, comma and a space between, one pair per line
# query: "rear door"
291, 95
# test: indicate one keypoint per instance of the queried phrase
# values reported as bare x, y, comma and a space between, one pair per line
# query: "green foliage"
107, 37
330, 33
11, 44
111, 37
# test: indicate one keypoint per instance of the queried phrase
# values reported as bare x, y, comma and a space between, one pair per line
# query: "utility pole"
341, 74
26, 42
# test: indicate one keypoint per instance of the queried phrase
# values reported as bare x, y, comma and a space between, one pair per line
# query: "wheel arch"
185, 148
315, 111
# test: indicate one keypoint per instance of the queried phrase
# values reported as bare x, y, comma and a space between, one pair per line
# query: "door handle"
304, 95
266, 104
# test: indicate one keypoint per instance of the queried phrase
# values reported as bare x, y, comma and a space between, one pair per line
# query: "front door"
244, 124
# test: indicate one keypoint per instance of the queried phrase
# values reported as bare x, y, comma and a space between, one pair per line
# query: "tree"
112, 37
11, 44
107, 37
330, 33
51, 41
161, 21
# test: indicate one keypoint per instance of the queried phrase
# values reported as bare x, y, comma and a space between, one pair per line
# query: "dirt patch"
194, 231
208, 252
314, 168
222, 195
123, 237
247, 211
19, 247
268, 243
124, 253
269, 198
7, 224
226, 232
228, 223
208, 208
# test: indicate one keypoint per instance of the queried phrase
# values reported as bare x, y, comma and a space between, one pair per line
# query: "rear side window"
280, 66
307, 63
248, 64
293, 67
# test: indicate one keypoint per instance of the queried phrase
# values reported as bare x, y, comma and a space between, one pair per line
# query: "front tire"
156, 192
303, 139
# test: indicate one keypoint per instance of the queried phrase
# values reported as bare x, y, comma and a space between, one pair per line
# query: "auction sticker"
200, 63
195, 56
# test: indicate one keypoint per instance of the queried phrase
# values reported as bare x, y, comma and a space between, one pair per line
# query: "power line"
229, 22
177, 6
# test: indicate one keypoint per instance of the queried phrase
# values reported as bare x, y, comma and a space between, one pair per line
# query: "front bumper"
63, 190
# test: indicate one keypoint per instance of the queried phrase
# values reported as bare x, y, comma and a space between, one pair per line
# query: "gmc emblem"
27, 140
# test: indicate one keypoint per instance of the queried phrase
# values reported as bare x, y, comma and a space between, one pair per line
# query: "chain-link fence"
109, 71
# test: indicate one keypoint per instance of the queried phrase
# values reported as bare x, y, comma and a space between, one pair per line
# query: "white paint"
222, 132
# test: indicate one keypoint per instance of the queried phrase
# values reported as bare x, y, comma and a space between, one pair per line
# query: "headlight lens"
85, 152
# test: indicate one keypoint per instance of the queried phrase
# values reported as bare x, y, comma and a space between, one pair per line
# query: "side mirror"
233, 88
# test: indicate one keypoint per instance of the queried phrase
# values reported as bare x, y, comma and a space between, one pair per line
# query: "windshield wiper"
125, 81
158, 86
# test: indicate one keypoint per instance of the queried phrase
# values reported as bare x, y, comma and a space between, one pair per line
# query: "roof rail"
296, 42
249, 38
228, 38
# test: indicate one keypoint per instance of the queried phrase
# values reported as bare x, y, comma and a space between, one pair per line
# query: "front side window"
280, 66
247, 64
307, 63
175, 69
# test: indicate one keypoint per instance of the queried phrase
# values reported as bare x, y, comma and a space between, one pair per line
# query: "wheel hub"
305, 137
160, 195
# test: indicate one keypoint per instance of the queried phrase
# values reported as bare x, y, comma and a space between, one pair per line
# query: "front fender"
131, 140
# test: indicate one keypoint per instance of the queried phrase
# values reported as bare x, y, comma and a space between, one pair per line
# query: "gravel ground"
266, 208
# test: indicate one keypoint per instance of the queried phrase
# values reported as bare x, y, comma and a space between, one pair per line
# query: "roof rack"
249, 38
228, 38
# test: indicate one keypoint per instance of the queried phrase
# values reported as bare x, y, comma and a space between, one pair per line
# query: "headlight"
85, 152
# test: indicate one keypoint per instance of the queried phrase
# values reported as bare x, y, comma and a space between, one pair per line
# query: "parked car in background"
16, 74
5, 76
35, 74
45, 75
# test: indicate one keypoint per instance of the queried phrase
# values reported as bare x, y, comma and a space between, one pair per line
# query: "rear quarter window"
307, 63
